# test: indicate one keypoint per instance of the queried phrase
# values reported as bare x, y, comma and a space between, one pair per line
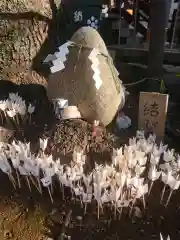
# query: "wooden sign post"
152, 113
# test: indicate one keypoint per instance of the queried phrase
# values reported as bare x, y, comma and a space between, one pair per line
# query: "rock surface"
23, 30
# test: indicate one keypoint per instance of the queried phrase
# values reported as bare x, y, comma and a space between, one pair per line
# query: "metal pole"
159, 15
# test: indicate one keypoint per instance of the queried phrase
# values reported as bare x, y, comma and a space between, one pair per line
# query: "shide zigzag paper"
59, 58
49, 58
95, 63
58, 64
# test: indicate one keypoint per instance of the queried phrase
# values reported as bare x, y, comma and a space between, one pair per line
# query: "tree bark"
24, 26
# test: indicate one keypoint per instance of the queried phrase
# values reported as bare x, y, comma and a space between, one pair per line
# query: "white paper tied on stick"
23, 171
31, 169
50, 171
15, 161
4, 165
95, 64
77, 191
87, 197
28, 166
63, 179
35, 171
46, 181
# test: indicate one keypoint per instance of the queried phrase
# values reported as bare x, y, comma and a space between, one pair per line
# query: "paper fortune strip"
46, 181
58, 64
95, 63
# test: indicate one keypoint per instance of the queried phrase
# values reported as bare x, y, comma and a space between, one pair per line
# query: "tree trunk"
158, 24
24, 26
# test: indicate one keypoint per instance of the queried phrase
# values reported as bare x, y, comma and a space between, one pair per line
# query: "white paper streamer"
65, 47
58, 66
4, 165
95, 63
23, 171
46, 181
106, 183
60, 57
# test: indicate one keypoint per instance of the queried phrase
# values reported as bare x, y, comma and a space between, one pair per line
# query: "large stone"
23, 30
75, 82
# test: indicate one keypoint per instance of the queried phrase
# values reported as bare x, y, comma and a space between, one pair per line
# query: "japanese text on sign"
78, 16
151, 109
152, 112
